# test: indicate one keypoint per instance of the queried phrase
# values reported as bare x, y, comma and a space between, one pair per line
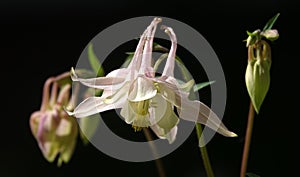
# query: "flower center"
141, 114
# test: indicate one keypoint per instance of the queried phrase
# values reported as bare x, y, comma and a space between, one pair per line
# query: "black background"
45, 38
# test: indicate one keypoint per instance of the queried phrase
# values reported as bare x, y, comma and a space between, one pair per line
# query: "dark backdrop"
44, 38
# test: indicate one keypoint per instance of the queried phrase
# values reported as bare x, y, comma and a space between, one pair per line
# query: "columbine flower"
54, 130
146, 100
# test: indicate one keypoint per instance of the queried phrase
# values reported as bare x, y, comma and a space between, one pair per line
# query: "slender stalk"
204, 153
247, 140
158, 162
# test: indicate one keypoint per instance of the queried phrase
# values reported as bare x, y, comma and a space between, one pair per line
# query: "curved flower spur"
146, 100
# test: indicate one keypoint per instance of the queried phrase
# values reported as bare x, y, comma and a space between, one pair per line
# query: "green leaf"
271, 22
249, 33
202, 85
94, 61
184, 71
127, 60
252, 175
159, 60
88, 127
159, 48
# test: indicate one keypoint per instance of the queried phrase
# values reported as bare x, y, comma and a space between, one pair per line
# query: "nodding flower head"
55, 130
147, 100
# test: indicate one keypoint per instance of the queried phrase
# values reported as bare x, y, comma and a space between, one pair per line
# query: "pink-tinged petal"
41, 128
135, 63
54, 91
63, 96
34, 122
204, 115
46, 93
193, 110
213, 121
87, 107
147, 53
98, 82
74, 96
123, 72
149, 72
120, 94
141, 89
93, 105
170, 63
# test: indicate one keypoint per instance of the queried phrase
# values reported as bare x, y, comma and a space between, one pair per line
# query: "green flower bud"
258, 72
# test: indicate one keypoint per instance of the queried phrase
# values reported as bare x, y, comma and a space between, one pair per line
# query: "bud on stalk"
258, 72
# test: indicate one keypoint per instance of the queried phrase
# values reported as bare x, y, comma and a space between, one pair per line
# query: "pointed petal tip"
157, 19
232, 134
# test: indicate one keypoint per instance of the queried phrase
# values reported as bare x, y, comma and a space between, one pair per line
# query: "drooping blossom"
55, 131
147, 100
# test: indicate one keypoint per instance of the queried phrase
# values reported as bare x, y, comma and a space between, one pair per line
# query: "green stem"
158, 162
204, 153
247, 141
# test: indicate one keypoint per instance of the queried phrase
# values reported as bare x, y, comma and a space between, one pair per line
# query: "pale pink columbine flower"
146, 100
55, 130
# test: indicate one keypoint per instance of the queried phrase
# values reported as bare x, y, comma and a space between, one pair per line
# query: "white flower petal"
204, 116
158, 109
93, 105
147, 52
163, 119
164, 114
127, 113
118, 95
122, 72
193, 110
171, 136
170, 64
141, 89
213, 121
160, 133
87, 107
99, 82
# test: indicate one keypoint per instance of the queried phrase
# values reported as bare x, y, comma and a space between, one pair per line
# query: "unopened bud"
258, 73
